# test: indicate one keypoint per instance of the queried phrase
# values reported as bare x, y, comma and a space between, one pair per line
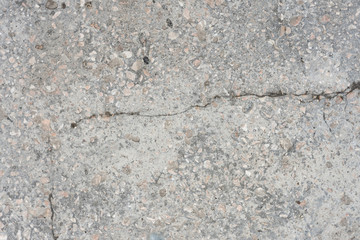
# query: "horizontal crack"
331, 95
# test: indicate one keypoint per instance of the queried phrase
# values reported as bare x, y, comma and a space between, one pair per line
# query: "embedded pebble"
127, 54
51, 4
173, 35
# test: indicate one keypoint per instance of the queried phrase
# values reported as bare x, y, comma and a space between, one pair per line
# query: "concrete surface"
189, 119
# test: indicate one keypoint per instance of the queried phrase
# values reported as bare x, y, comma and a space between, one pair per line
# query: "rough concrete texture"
189, 119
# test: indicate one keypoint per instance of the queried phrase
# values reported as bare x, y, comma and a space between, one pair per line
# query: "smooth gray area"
190, 119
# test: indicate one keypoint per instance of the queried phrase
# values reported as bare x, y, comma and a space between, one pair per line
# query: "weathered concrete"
183, 119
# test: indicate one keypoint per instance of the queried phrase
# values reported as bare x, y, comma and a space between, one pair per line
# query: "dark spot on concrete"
146, 60
169, 23
88, 5
355, 85
20, 2
298, 202
39, 47
346, 199
329, 165
107, 114
73, 125
63, 5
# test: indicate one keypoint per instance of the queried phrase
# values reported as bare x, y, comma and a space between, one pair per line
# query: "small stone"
295, 21
236, 182
325, 19
132, 138
188, 209
127, 92
127, 54
116, 62
329, 165
288, 30
130, 75
301, 203
39, 212
136, 65
189, 133
260, 192
247, 107
172, 165
32, 61
11, 60
97, 179
44, 180
197, 63
201, 34
207, 164
55, 15
282, 30
126, 221
186, 14
162, 192
50, 4
173, 35
45, 125
266, 112
286, 144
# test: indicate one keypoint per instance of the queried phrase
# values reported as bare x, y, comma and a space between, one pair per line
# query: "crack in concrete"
315, 97
327, 124
52, 216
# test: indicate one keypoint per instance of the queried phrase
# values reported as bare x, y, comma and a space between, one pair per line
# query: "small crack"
324, 118
314, 97
52, 217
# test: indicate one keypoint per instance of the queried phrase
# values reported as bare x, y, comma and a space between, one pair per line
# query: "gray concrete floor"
189, 119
